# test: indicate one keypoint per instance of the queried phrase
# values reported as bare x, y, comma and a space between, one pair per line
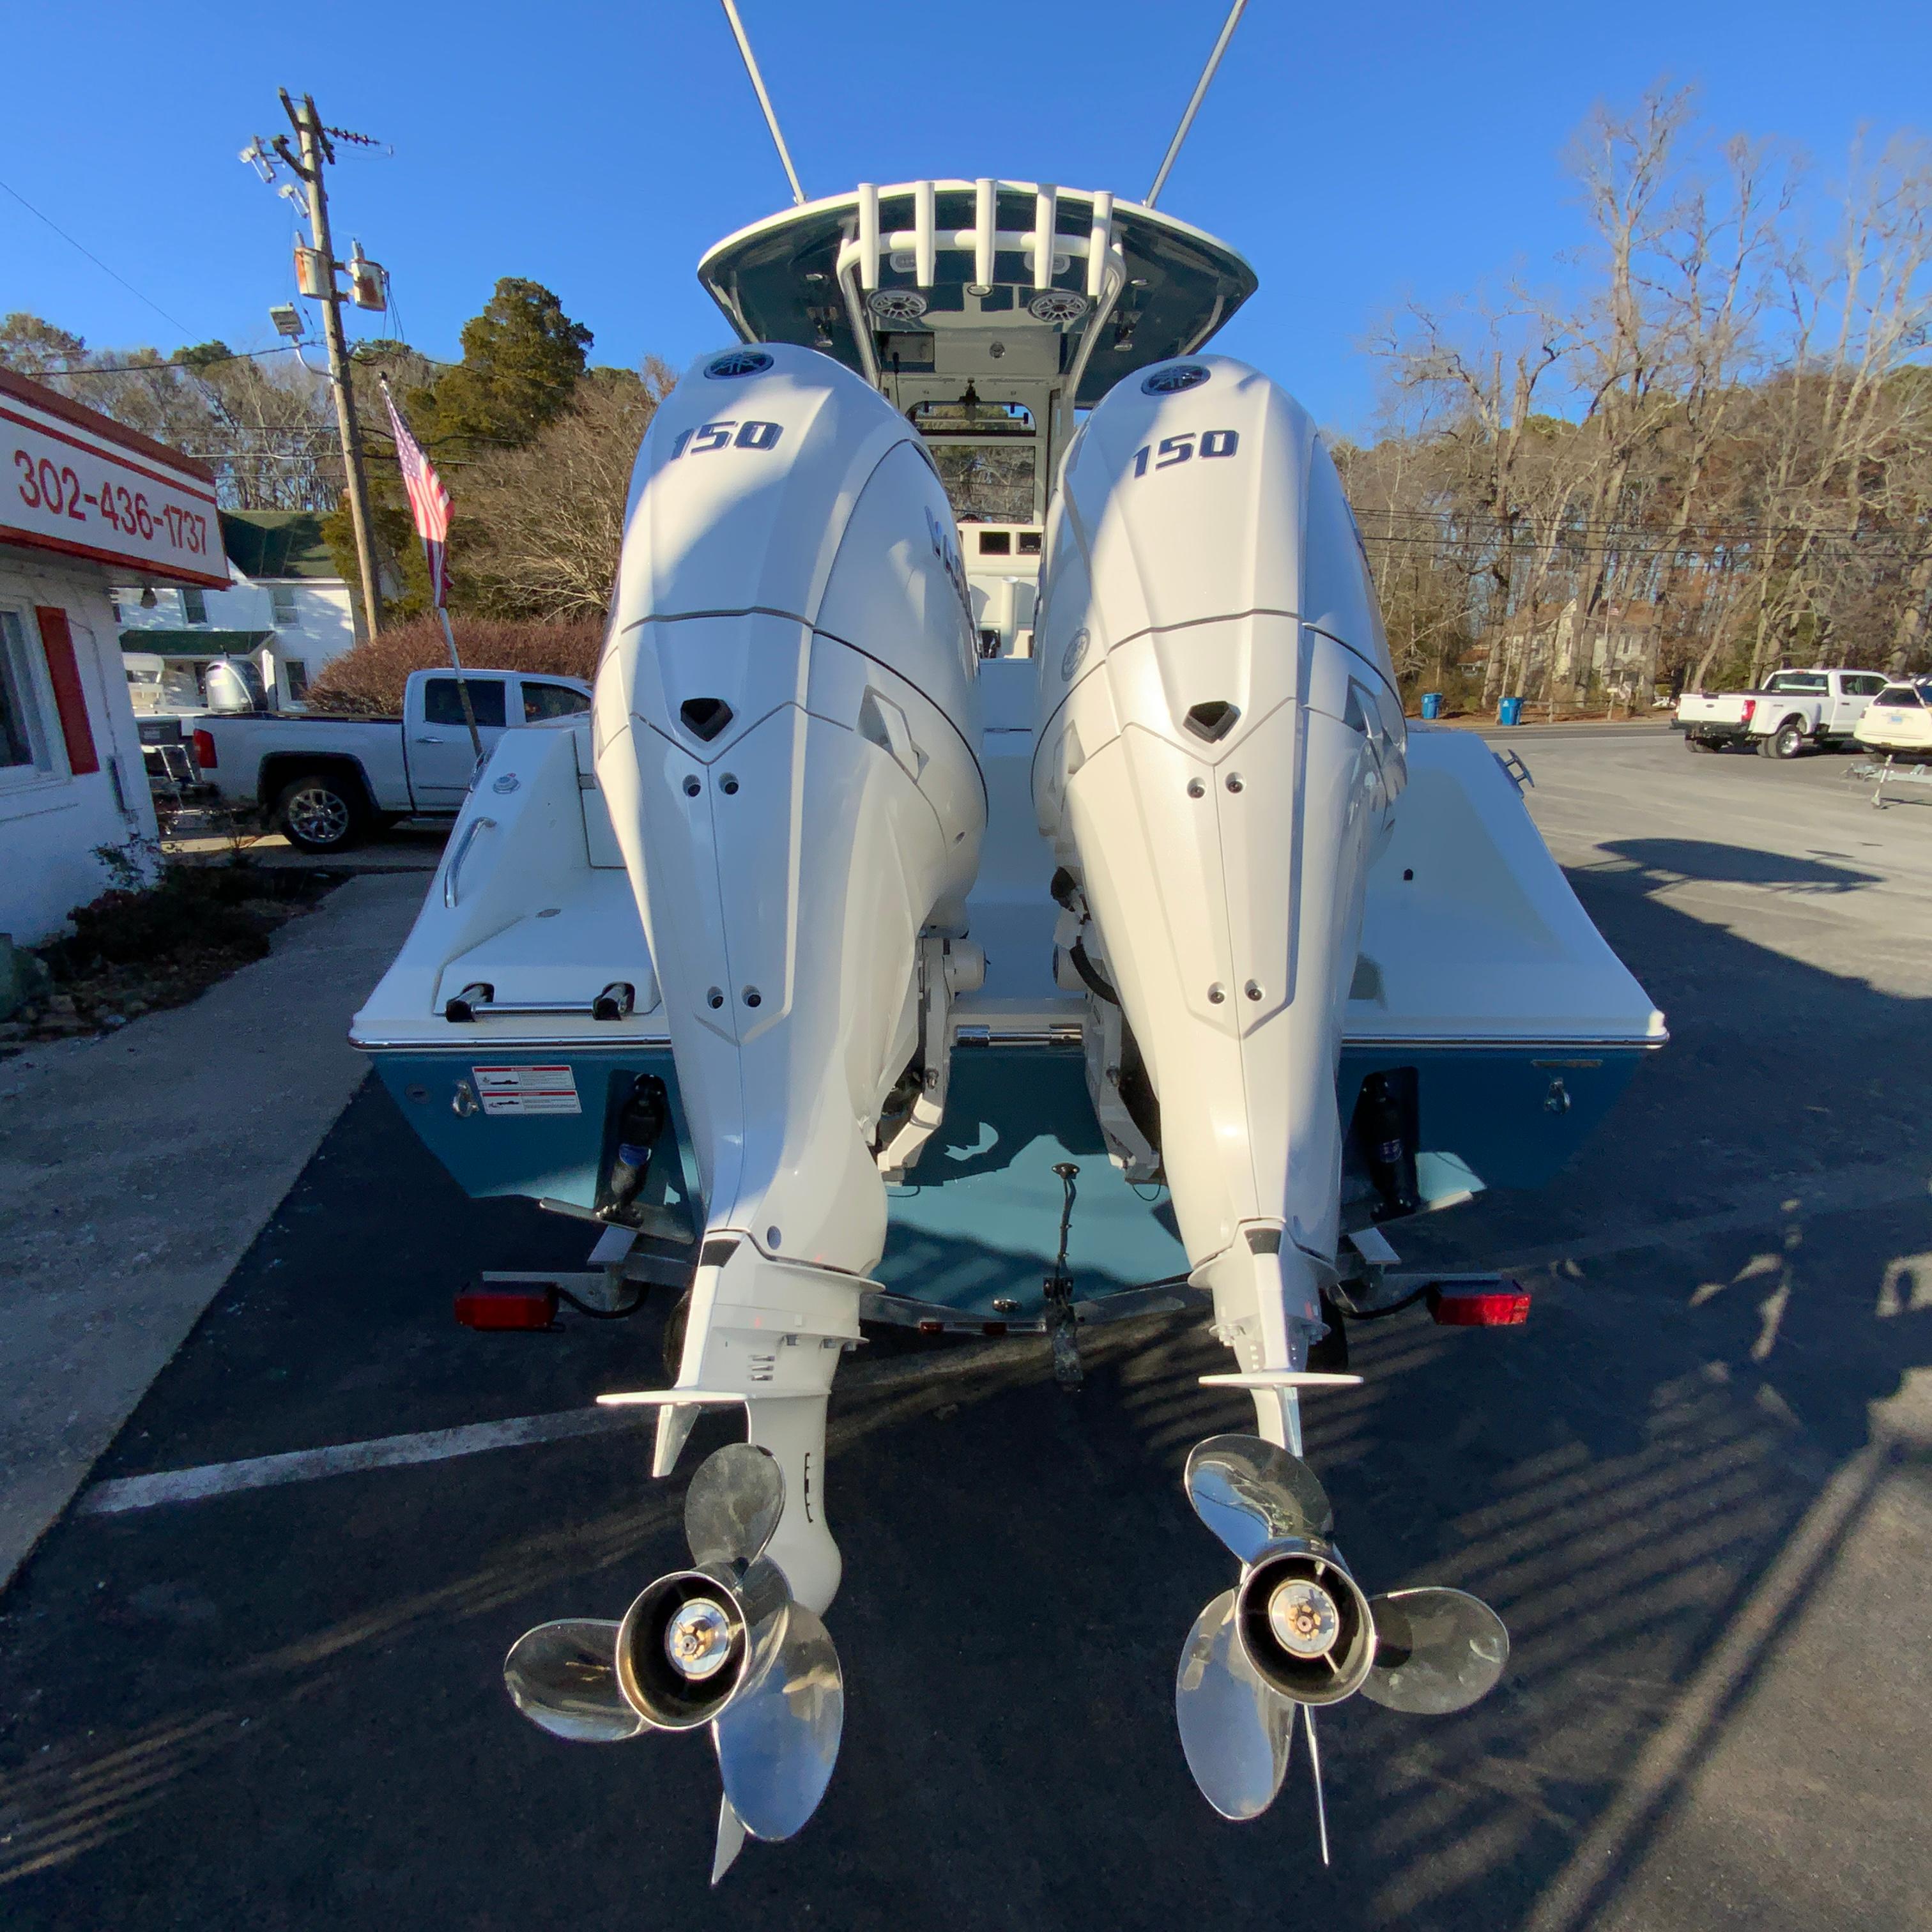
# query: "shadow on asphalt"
283, 1708
1667, 861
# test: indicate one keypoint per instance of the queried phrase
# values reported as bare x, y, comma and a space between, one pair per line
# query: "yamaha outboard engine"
1221, 747
786, 733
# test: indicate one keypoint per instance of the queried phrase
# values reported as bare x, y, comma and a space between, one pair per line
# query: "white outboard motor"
786, 732
1221, 743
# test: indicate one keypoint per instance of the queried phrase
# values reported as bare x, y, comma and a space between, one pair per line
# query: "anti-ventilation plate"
1170, 382
738, 362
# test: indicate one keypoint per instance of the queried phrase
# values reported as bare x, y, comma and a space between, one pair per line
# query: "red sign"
72, 481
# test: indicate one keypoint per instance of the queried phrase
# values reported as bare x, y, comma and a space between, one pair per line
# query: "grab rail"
617, 1001
462, 852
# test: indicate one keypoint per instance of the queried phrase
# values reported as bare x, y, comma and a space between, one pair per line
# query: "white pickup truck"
328, 782
1796, 712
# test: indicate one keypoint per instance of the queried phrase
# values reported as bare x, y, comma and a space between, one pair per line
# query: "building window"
194, 607
25, 748
296, 672
283, 615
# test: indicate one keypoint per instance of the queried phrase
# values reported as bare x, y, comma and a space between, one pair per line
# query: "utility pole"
317, 151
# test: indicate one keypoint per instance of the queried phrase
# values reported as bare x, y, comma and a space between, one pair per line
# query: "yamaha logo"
738, 362
1170, 382
1076, 649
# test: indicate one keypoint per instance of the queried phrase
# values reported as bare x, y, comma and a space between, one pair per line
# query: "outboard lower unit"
1221, 743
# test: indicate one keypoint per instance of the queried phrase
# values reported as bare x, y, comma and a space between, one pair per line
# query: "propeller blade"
1436, 1650
1250, 1493
563, 1677
1315, 1765
1236, 1732
734, 1504
731, 1840
778, 1739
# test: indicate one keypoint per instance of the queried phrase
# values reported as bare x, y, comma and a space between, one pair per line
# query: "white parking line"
122, 1493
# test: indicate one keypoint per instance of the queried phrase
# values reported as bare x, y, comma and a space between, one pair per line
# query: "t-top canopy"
872, 275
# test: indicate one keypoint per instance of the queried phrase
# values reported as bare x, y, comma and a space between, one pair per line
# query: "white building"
284, 607
84, 504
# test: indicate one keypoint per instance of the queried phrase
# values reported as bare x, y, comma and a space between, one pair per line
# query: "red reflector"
534, 1306
1505, 1306
203, 742
932, 1327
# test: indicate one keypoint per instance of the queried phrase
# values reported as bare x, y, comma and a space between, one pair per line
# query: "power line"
150, 368
96, 260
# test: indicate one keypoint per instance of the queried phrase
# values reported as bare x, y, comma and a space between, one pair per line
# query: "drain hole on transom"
1213, 719
704, 718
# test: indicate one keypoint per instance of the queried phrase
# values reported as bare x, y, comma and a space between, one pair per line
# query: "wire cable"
96, 260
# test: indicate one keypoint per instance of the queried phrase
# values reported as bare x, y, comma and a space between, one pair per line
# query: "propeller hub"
1303, 1618
697, 1640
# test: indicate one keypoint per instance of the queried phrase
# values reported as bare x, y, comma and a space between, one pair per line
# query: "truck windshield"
1796, 680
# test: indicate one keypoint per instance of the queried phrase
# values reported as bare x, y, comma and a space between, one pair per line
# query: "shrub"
367, 681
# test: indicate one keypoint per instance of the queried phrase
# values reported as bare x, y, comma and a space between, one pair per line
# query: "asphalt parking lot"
1696, 1486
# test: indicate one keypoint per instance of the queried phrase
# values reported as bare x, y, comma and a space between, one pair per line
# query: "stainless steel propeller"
1296, 1632
723, 1644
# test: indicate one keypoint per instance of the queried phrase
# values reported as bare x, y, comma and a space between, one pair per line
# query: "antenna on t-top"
765, 100
1201, 86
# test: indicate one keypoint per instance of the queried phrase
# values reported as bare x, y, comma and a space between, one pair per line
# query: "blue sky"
1356, 158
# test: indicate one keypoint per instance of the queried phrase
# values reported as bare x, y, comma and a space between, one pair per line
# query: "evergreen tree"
521, 360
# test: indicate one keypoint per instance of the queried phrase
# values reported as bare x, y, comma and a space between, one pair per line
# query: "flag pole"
429, 506
462, 684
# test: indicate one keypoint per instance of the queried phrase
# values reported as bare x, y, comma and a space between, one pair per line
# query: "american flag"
429, 501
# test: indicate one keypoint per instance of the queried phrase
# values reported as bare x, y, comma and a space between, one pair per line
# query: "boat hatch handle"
451, 878
617, 1001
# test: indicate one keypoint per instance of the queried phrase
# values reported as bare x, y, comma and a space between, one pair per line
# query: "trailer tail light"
203, 742
527, 1306
1503, 1305
1750, 710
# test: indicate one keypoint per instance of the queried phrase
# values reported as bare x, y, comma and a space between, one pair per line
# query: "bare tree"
1716, 450
543, 525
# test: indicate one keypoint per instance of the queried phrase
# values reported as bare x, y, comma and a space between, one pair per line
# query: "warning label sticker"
527, 1090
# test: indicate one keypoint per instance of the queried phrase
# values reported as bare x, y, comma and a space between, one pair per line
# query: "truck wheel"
1787, 741
321, 814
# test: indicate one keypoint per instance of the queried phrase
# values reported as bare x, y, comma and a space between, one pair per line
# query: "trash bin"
1509, 711
1432, 704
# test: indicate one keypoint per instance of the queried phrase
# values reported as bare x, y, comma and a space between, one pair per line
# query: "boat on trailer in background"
995, 891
